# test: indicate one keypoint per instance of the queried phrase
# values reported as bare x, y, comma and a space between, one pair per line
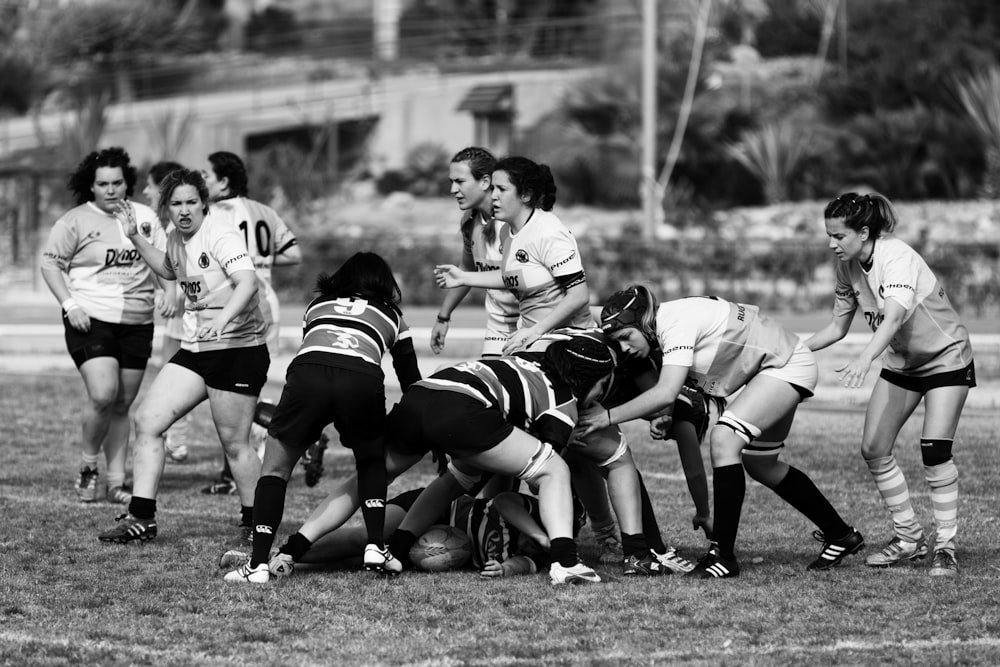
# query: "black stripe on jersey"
517, 394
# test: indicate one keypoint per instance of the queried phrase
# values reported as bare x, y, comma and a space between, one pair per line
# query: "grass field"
65, 598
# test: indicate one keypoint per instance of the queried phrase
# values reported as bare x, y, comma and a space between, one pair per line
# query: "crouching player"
504, 532
494, 415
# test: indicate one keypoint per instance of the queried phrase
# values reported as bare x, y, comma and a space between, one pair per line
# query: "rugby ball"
440, 549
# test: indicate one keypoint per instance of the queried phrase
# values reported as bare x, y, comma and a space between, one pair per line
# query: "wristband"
443, 320
608, 410
69, 304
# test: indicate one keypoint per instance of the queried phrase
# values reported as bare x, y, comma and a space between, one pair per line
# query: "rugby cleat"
944, 563
233, 559
119, 494
130, 529
86, 485
611, 550
897, 551
835, 551
312, 460
381, 560
673, 562
713, 566
247, 574
577, 574
643, 566
281, 565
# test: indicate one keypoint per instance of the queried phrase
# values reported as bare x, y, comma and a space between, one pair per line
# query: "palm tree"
980, 95
773, 154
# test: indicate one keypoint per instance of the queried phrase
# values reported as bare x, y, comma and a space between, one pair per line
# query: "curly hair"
81, 181
531, 179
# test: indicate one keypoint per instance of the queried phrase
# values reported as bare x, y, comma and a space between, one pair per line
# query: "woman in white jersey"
541, 267
928, 356
540, 264
724, 346
471, 176
106, 291
223, 357
173, 327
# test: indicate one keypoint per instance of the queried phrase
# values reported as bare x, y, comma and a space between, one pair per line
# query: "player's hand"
438, 333
166, 305
660, 427
78, 319
593, 419
212, 330
126, 214
521, 339
704, 522
492, 569
448, 276
853, 374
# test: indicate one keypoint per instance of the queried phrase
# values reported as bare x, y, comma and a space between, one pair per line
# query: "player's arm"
245, 287
835, 330
153, 256
431, 503
853, 374
451, 300
449, 276
290, 254
689, 450
577, 296
513, 566
655, 400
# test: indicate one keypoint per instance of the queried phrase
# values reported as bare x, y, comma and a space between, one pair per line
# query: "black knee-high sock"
372, 482
798, 490
268, 508
400, 543
729, 486
650, 528
296, 546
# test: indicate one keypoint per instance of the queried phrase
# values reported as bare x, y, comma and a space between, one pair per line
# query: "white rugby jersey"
202, 266
107, 276
265, 235
532, 259
931, 339
724, 344
501, 304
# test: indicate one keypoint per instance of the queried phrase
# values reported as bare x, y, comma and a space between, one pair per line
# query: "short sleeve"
558, 251
844, 300
230, 251
61, 246
899, 275
677, 338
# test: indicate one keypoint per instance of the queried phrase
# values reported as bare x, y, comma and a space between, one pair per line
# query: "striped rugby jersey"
519, 389
355, 333
106, 275
723, 344
931, 339
493, 538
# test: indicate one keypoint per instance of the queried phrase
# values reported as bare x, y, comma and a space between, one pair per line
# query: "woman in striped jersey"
502, 416
336, 376
722, 347
223, 356
928, 356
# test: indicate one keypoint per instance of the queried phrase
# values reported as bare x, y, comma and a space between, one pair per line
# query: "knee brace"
464, 479
746, 431
935, 451
542, 454
763, 449
263, 412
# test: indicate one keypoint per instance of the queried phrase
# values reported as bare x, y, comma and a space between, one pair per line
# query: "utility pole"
648, 187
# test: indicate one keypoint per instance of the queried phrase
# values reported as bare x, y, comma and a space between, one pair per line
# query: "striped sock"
943, 480
891, 485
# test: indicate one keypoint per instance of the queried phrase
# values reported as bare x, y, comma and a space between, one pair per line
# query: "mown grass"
65, 598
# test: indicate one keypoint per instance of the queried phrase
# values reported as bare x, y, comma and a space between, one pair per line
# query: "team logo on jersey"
203, 261
145, 229
521, 256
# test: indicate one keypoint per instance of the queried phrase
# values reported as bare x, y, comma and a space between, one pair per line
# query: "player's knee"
761, 463
543, 462
934, 452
